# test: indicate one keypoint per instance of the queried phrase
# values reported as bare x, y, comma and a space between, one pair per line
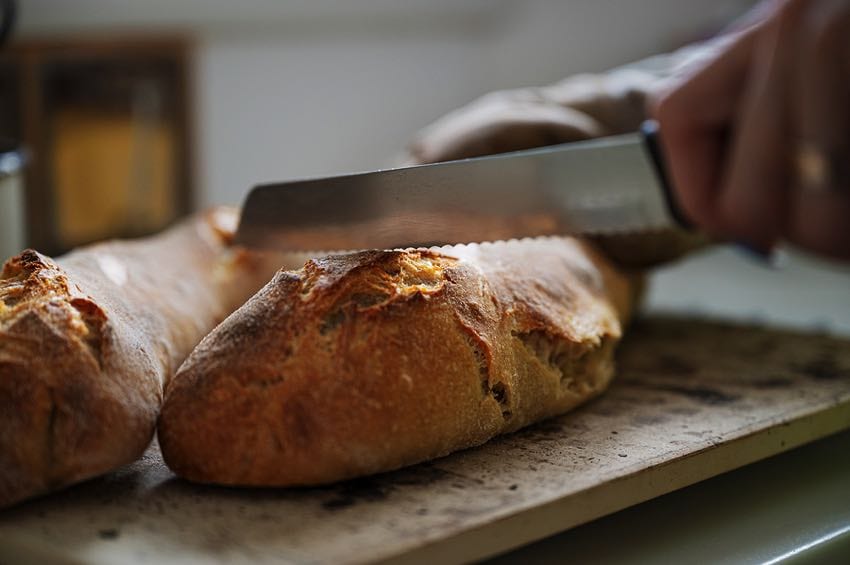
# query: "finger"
616, 99
694, 112
753, 197
821, 119
498, 125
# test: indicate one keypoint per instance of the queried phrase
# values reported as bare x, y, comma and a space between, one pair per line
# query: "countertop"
793, 507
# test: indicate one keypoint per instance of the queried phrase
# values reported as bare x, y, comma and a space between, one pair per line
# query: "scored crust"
366, 362
56, 425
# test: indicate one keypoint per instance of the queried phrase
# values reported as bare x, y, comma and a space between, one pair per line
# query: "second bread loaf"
367, 362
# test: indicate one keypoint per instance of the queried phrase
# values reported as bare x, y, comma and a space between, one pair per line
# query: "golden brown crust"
366, 362
87, 343
53, 340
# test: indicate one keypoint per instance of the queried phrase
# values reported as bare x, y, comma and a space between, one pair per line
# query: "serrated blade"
601, 186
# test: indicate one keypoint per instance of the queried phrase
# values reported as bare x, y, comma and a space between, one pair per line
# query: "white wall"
272, 109
295, 88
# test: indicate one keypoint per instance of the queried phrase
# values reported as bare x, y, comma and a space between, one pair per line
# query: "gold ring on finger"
817, 170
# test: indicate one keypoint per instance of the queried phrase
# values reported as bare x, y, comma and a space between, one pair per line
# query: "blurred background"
135, 113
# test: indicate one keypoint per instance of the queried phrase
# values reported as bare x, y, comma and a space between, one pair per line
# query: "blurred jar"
12, 217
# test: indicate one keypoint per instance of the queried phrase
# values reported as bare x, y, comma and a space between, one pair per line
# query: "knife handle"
652, 139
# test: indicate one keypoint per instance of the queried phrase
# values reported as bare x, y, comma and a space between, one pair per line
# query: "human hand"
580, 107
757, 135
508, 120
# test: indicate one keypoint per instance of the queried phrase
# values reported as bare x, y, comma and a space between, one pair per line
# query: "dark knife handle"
651, 136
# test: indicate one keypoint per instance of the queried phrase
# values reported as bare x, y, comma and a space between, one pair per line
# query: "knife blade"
601, 186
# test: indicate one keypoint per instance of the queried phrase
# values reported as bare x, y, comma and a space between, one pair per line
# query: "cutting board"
692, 399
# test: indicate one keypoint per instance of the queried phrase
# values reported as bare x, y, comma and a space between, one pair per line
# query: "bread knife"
602, 186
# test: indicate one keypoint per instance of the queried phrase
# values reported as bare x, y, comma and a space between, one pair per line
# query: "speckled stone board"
692, 399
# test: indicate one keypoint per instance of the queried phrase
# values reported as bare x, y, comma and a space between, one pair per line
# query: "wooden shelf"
107, 123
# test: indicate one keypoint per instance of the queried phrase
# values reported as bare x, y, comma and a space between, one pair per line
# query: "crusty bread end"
366, 362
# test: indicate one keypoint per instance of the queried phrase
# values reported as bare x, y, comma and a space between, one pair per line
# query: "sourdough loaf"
87, 343
366, 362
